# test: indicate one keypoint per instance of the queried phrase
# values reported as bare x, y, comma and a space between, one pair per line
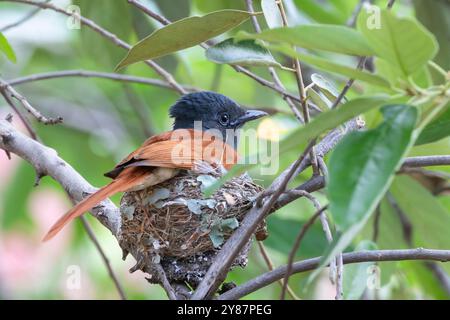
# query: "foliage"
403, 93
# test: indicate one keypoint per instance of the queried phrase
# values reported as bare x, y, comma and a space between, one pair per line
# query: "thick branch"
353, 257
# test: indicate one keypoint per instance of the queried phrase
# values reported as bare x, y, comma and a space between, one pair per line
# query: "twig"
149, 12
110, 36
348, 85
301, 88
162, 277
440, 275
352, 20
140, 110
24, 19
376, 224
272, 70
22, 118
426, 161
222, 262
295, 247
95, 74
269, 264
5, 87
390, 4
339, 277
105, 259
353, 257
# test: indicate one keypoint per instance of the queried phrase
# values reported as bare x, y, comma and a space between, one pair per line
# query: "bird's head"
213, 111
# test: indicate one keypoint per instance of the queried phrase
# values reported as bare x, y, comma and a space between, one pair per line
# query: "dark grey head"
214, 110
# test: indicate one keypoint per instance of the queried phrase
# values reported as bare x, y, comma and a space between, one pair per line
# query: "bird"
205, 133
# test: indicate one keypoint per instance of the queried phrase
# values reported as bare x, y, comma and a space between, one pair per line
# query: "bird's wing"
129, 178
181, 149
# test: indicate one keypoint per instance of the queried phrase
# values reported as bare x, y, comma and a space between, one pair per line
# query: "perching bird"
204, 122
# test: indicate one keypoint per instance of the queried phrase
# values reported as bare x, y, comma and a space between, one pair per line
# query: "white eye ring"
224, 119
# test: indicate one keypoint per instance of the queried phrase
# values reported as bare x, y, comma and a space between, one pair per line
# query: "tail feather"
83, 206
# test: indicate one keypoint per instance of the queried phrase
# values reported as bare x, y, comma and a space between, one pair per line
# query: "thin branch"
426, 161
105, 259
269, 263
352, 20
260, 80
272, 70
22, 118
348, 85
222, 262
110, 36
149, 12
24, 19
295, 247
301, 87
390, 4
140, 110
353, 257
162, 277
5, 87
95, 74
339, 277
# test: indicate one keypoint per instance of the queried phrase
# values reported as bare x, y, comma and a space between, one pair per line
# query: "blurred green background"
101, 125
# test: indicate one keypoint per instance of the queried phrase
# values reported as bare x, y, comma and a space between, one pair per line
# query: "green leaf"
325, 86
6, 48
327, 65
271, 13
323, 122
437, 129
184, 33
360, 171
356, 275
330, 120
326, 37
320, 12
435, 15
428, 216
403, 42
243, 53
319, 100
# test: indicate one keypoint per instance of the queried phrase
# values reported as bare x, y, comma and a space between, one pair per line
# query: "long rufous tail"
85, 205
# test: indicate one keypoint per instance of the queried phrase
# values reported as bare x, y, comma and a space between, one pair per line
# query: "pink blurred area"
27, 266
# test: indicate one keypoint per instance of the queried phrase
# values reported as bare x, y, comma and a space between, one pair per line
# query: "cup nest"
175, 227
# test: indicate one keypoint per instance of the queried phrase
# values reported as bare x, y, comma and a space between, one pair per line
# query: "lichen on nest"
174, 225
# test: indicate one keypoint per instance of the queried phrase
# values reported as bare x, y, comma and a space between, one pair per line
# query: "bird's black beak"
249, 116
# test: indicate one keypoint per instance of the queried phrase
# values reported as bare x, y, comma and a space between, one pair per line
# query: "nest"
173, 226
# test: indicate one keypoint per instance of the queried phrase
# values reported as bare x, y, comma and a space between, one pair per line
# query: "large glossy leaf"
271, 13
356, 275
6, 48
183, 34
361, 169
437, 129
328, 65
244, 53
435, 15
326, 37
403, 42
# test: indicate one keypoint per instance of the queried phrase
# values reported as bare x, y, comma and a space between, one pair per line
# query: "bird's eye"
224, 119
